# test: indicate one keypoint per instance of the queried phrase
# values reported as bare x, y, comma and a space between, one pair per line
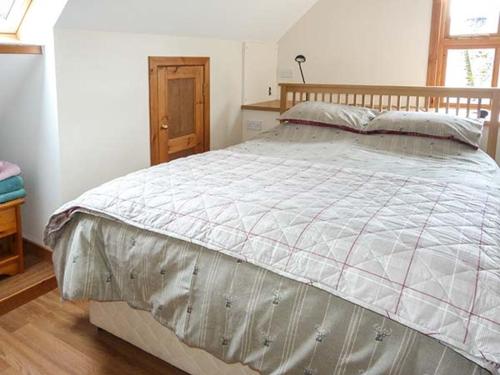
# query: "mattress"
89, 254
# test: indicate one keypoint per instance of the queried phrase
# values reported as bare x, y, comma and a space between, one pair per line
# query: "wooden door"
179, 107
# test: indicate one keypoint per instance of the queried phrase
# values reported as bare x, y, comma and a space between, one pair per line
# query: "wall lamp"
300, 59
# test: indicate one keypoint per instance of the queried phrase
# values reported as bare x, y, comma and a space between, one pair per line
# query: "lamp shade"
300, 59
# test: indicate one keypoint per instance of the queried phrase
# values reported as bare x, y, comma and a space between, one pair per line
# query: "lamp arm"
302, 73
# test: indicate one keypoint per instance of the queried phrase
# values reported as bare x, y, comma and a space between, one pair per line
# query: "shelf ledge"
20, 49
269, 106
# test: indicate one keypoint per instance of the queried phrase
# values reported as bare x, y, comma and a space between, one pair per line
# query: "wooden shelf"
9, 264
16, 49
11, 226
12, 203
8, 233
269, 106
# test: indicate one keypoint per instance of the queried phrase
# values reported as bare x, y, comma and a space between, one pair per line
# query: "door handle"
164, 123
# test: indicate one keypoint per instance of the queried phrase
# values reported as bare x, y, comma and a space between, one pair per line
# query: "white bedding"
411, 231
409, 156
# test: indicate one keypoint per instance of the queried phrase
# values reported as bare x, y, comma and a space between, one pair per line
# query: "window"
465, 43
11, 15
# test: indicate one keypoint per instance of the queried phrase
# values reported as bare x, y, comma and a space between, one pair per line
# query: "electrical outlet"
254, 125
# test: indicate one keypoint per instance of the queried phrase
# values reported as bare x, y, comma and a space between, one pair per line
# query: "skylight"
11, 15
5, 8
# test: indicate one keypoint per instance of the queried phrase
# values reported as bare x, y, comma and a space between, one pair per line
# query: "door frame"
154, 128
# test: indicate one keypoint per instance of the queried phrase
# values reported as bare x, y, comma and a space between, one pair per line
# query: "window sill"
20, 49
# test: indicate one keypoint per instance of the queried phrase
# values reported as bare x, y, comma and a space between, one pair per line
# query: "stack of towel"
11, 182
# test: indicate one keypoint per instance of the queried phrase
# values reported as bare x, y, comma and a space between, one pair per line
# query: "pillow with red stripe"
342, 116
424, 124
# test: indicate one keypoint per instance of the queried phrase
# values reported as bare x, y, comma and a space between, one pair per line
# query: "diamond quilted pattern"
422, 252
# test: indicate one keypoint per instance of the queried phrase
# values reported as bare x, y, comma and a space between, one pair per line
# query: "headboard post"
283, 98
493, 126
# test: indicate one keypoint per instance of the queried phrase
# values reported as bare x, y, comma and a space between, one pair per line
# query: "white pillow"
425, 124
327, 114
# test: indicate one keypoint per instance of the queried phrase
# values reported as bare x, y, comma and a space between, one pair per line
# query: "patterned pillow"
327, 114
433, 125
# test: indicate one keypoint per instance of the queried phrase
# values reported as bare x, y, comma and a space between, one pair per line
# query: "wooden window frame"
10, 43
26, 6
441, 42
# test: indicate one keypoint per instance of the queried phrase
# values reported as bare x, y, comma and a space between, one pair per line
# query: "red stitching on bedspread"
289, 197
249, 233
416, 248
478, 270
313, 219
379, 131
364, 227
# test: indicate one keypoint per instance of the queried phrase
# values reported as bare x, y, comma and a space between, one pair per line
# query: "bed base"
142, 330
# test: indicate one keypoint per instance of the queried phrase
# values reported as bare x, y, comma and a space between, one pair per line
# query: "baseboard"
28, 294
39, 250
35, 287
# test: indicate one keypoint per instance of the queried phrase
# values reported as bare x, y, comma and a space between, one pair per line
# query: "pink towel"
8, 170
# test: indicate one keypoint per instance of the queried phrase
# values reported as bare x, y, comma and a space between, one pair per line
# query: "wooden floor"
37, 279
46, 336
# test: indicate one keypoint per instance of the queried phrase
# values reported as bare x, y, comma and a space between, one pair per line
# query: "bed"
307, 250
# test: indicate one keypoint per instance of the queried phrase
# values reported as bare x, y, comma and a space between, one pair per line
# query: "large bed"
307, 250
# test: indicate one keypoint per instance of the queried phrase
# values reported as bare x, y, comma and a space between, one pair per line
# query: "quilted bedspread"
423, 252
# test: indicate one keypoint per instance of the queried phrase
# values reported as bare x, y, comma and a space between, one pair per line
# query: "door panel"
185, 142
179, 110
181, 107
180, 154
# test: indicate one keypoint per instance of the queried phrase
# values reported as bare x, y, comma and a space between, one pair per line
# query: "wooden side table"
10, 226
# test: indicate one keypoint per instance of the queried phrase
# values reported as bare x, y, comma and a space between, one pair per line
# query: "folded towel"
8, 170
11, 184
7, 197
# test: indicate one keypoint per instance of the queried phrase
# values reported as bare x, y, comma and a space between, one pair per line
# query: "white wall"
266, 121
14, 72
29, 138
103, 100
28, 116
260, 68
360, 42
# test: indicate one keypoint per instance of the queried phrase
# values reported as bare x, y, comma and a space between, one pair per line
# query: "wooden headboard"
464, 102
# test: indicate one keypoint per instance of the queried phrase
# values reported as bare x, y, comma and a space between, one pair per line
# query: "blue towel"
11, 184
7, 197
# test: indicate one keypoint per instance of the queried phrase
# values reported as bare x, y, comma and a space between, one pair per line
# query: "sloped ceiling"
256, 20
